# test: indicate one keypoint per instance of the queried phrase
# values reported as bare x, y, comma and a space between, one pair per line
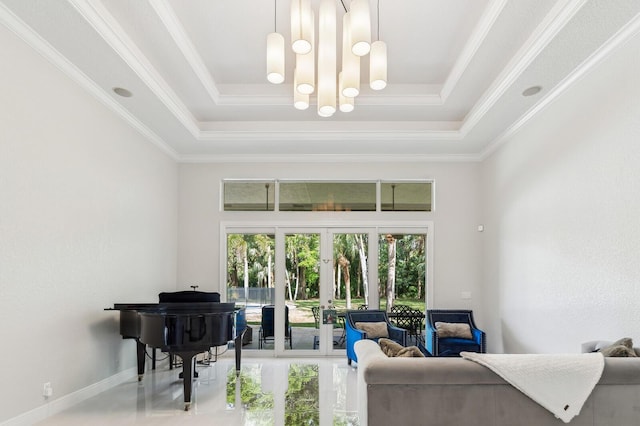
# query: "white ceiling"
196, 68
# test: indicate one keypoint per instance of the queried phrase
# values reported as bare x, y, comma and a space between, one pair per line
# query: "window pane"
402, 264
406, 196
249, 196
250, 263
327, 196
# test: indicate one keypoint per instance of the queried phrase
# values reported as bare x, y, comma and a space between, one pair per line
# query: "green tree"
302, 259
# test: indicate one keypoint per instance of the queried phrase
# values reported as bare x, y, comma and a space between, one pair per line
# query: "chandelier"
315, 68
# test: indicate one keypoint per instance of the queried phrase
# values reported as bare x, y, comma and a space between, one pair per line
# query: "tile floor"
269, 391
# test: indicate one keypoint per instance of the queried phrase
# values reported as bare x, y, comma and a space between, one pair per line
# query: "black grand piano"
184, 328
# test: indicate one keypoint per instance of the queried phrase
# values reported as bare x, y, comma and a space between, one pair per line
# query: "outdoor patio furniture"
267, 328
408, 318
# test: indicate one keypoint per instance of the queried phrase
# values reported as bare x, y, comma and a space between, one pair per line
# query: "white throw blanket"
561, 383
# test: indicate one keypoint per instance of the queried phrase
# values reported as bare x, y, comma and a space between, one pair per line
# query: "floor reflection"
290, 393
268, 392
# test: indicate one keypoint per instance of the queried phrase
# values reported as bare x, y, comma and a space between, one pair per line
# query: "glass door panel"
350, 282
250, 282
402, 263
301, 290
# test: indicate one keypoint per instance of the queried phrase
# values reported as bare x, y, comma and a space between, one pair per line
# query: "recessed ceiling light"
122, 92
532, 91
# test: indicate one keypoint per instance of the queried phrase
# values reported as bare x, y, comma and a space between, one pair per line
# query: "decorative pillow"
373, 329
625, 341
620, 348
394, 349
389, 347
410, 352
618, 351
453, 329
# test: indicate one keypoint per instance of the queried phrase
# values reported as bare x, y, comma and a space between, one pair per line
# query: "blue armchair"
354, 334
452, 346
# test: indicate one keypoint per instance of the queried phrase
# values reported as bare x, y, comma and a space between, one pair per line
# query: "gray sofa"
455, 391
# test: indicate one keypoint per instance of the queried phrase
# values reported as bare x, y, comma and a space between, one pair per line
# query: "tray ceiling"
196, 71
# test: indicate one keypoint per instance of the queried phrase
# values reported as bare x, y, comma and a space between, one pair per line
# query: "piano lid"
188, 307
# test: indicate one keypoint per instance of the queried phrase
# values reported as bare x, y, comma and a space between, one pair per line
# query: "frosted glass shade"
275, 58
302, 27
346, 104
327, 58
300, 100
378, 65
306, 70
305, 74
360, 27
350, 62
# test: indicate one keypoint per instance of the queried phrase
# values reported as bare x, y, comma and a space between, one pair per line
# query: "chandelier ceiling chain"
315, 69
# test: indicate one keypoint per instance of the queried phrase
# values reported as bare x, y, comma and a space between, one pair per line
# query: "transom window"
289, 195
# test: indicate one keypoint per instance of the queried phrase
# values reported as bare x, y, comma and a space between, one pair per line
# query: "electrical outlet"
47, 390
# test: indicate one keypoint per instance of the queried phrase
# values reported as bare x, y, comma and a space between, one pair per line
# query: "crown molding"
96, 15
328, 158
175, 29
488, 19
630, 30
33, 39
553, 23
105, 25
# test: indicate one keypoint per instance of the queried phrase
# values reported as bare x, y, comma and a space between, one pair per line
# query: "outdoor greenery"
301, 397
257, 404
401, 267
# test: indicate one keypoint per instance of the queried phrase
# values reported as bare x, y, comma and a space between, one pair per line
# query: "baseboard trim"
67, 401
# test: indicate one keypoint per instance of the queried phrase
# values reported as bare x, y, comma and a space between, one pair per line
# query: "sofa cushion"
394, 349
453, 329
373, 329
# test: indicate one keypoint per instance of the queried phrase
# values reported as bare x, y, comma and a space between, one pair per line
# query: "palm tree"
302, 251
391, 272
361, 241
237, 247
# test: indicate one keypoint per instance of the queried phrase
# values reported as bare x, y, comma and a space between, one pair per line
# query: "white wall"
88, 217
562, 216
456, 240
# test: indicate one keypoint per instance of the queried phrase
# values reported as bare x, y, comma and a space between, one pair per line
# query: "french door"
313, 286
297, 281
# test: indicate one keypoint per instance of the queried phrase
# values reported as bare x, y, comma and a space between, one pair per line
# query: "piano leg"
187, 374
141, 355
238, 346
